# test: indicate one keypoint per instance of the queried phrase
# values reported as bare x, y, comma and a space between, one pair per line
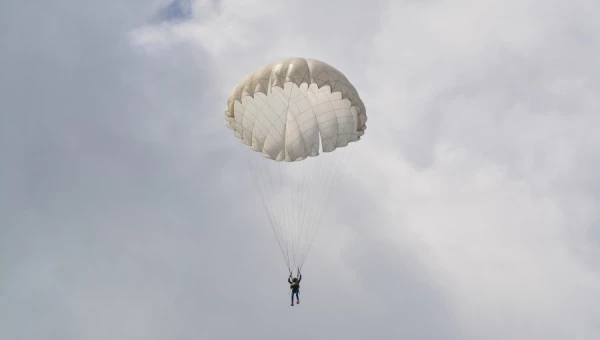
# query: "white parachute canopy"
296, 113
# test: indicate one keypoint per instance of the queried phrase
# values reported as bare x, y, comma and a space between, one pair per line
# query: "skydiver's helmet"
295, 279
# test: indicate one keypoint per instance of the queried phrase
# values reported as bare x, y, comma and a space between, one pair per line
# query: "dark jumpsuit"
295, 286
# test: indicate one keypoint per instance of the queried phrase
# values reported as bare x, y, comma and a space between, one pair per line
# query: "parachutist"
295, 286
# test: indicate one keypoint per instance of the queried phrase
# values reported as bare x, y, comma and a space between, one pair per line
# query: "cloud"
469, 210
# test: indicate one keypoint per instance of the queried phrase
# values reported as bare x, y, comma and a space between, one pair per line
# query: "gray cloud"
469, 210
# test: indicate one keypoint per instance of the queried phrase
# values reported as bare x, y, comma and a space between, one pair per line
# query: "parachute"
298, 117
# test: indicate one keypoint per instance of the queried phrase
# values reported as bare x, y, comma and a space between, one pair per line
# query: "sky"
469, 209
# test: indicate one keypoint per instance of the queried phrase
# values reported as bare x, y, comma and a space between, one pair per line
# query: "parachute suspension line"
301, 194
288, 186
318, 178
322, 179
325, 182
296, 220
314, 179
298, 239
288, 211
297, 206
303, 203
308, 206
282, 211
273, 211
281, 216
320, 219
299, 231
267, 207
277, 210
284, 208
345, 156
292, 224
317, 225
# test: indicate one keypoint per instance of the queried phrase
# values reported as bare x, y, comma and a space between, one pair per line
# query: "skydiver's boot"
298, 301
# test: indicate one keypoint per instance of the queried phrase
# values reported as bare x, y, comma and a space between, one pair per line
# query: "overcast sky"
469, 210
